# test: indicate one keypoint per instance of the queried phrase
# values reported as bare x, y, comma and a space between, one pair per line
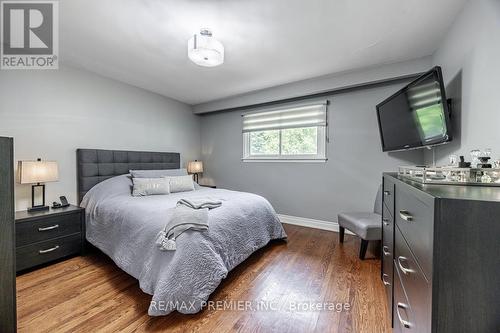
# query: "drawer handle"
405, 215
384, 281
386, 221
403, 269
387, 193
385, 250
52, 227
405, 323
49, 250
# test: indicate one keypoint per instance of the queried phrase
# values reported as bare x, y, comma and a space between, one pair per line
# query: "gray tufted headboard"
96, 165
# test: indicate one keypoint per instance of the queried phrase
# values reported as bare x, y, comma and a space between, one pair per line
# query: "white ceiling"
267, 42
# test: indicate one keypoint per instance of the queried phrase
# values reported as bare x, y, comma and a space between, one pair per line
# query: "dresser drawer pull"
405, 323
404, 269
49, 250
386, 251
52, 227
384, 281
405, 215
386, 221
387, 193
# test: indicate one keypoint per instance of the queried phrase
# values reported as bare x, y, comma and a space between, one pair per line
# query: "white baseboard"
311, 223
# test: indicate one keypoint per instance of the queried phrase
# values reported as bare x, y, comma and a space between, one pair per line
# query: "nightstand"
211, 186
45, 236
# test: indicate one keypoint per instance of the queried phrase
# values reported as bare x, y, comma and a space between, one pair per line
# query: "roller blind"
311, 115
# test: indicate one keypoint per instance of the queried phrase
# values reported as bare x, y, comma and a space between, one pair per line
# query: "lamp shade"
32, 172
195, 167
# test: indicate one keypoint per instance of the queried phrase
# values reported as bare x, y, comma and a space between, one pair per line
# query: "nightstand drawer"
33, 231
43, 252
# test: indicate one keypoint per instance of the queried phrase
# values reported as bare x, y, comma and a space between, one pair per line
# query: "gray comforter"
125, 228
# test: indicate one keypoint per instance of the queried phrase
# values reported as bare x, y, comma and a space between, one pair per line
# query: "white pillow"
180, 183
150, 186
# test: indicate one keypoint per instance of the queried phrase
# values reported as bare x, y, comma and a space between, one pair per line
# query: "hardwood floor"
90, 294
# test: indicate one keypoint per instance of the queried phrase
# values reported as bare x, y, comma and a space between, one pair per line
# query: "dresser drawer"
37, 230
404, 318
387, 240
415, 220
417, 288
387, 218
387, 254
387, 279
43, 252
388, 195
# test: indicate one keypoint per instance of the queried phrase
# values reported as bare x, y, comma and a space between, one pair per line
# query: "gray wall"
52, 113
348, 181
320, 84
470, 58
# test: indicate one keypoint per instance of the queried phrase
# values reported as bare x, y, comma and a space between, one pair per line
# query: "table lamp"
36, 173
195, 167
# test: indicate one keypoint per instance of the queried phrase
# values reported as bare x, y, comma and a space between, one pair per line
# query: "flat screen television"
416, 116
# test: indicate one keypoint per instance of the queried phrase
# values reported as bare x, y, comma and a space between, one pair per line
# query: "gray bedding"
125, 228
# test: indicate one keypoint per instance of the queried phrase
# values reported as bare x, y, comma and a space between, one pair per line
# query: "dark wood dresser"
45, 236
7, 258
441, 256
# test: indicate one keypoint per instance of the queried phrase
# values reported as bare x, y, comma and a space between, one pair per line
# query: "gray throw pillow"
180, 183
158, 173
150, 186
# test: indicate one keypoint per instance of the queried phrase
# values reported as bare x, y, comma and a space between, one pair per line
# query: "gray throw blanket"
187, 215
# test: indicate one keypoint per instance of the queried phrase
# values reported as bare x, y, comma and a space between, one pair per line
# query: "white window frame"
321, 156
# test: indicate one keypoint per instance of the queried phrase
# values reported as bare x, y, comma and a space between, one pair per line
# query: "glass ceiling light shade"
204, 50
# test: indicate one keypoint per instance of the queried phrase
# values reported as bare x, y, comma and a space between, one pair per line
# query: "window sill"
270, 160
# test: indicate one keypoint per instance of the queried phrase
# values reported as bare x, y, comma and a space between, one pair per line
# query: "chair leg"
362, 249
341, 234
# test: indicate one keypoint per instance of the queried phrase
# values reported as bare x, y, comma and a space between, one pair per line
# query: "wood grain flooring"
90, 294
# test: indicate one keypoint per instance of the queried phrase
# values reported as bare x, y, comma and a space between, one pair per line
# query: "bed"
125, 228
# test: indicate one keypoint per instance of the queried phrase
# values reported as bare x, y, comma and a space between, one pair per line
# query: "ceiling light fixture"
205, 50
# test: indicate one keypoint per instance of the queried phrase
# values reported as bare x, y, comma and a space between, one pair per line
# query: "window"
293, 133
